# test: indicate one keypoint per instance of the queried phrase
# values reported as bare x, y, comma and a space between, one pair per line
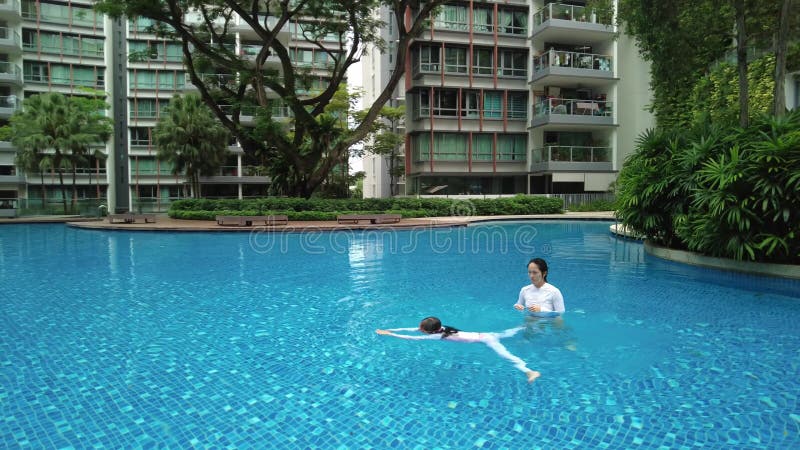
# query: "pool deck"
165, 223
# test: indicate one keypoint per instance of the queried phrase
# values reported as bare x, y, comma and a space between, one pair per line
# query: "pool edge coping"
785, 271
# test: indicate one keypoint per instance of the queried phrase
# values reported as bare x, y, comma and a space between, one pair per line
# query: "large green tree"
682, 39
339, 30
57, 132
189, 137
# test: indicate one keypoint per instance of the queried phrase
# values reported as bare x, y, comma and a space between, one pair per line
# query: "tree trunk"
393, 188
781, 46
741, 63
44, 190
63, 190
74, 202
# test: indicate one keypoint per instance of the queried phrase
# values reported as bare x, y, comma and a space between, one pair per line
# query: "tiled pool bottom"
159, 348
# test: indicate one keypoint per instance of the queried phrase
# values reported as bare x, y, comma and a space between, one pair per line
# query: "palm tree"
53, 128
191, 139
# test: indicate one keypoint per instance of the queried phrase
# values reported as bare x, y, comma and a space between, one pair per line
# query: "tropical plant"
189, 137
722, 191
242, 80
54, 131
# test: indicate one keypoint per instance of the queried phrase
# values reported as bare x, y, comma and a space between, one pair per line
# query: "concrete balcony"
10, 73
12, 179
560, 68
557, 158
9, 104
570, 24
10, 11
10, 41
246, 31
573, 113
249, 53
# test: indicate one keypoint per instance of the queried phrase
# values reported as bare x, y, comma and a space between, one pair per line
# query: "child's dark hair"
433, 325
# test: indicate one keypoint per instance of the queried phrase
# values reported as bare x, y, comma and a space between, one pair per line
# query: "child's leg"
508, 333
501, 350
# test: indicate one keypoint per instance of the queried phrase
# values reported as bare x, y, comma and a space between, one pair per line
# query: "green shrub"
722, 192
327, 209
596, 205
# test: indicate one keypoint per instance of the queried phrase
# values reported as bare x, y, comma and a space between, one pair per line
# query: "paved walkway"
165, 223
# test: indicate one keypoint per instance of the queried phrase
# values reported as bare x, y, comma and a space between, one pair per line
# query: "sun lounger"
146, 218
120, 218
131, 218
373, 218
247, 221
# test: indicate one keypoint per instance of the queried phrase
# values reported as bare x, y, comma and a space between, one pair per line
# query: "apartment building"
65, 46
515, 96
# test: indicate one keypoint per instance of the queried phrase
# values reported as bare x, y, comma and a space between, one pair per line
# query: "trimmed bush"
328, 209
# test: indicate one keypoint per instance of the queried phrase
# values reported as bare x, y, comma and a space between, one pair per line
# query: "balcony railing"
65, 51
64, 81
10, 101
513, 112
77, 16
567, 12
576, 60
572, 107
80, 171
571, 153
7, 68
250, 110
7, 33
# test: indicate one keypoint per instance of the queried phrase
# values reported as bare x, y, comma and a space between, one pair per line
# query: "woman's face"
536, 275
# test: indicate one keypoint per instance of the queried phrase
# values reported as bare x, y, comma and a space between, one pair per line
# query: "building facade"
65, 46
515, 96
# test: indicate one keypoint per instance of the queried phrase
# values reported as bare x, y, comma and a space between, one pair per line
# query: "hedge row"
328, 209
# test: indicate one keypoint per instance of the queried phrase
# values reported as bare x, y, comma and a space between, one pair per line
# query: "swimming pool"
235, 340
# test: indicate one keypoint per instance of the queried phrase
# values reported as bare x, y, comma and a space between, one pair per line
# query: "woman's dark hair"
433, 325
541, 264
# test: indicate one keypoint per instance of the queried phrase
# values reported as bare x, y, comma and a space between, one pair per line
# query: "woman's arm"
520, 305
558, 301
403, 329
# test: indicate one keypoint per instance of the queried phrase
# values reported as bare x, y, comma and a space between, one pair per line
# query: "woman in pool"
540, 297
433, 329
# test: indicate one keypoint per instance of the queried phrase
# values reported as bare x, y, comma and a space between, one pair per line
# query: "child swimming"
433, 329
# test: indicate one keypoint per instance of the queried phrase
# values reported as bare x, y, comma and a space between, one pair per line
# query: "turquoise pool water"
237, 340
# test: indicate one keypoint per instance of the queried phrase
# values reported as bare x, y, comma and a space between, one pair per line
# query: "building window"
455, 60
140, 136
470, 106
517, 105
482, 147
443, 104
429, 58
35, 71
513, 22
446, 147
492, 104
512, 147
483, 20
482, 61
513, 63
452, 17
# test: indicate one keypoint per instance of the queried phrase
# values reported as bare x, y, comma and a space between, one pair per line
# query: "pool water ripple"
116, 339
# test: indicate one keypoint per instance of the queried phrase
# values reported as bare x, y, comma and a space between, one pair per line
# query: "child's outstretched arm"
406, 336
